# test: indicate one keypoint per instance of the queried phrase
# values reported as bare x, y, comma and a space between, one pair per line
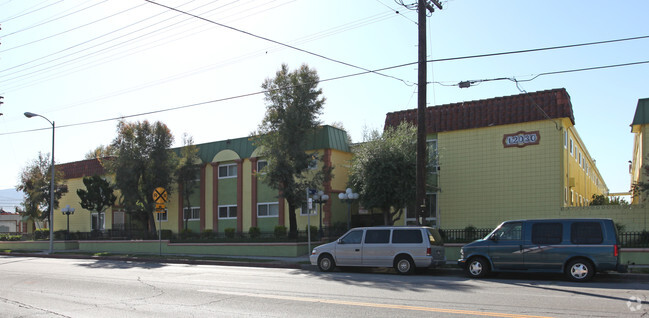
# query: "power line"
321, 81
30, 12
52, 20
465, 84
279, 43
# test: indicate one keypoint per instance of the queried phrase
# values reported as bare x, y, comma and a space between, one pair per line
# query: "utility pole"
422, 7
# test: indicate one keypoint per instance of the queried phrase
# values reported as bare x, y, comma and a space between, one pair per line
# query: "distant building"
11, 222
227, 192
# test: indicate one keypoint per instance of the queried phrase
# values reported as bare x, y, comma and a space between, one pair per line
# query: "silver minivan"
402, 247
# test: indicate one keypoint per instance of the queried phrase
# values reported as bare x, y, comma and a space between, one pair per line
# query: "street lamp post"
51, 223
348, 197
320, 198
67, 211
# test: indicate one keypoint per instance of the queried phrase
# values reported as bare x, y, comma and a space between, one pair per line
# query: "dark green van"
576, 247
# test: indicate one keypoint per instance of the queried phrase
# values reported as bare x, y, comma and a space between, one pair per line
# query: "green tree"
293, 104
100, 152
143, 163
383, 171
600, 199
98, 196
187, 173
35, 182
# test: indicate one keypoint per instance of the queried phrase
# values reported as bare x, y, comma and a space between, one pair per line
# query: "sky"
84, 64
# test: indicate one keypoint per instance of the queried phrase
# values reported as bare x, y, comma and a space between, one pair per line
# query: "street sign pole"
160, 198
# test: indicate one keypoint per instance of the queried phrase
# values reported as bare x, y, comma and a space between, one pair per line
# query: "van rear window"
546, 233
406, 236
586, 233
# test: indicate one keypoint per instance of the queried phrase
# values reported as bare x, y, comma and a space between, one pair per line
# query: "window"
193, 213
565, 139
546, 233
586, 233
579, 159
572, 152
98, 221
228, 171
406, 236
430, 213
433, 162
509, 232
377, 237
565, 195
261, 164
161, 216
267, 209
354, 237
227, 212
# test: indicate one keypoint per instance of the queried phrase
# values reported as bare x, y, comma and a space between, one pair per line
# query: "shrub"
59, 234
229, 232
166, 234
254, 232
208, 234
280, 231
186, 234
314, 231
470, 232
8, 237
41, 234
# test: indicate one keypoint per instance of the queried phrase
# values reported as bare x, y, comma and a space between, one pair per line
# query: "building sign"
521, 139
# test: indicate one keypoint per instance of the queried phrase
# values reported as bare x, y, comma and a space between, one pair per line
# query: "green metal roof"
641, 112
327, 137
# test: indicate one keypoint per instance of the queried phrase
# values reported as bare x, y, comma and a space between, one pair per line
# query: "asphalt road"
50, 287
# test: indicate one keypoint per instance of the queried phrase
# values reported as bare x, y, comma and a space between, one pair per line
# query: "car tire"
478, 267
580, 270
404, 265
326, 263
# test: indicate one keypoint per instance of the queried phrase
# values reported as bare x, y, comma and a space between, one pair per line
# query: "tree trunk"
292, 221
387, 218
151, 222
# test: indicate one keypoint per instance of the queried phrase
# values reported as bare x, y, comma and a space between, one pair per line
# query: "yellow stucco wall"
481, 181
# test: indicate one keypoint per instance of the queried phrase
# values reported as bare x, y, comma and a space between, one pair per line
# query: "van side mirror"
493, 237
340, 241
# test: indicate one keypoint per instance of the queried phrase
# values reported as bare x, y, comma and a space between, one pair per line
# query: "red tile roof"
80, 169
490, 112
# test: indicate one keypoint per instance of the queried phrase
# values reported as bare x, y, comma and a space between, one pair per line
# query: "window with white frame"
433, 156
228, 171
261, 164
270, 209
98, 221
227, 212
572, 151
565, 139
430, 213
161, 216
304, 211
193, 213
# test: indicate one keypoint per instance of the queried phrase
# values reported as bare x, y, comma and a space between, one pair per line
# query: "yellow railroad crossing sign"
160, 195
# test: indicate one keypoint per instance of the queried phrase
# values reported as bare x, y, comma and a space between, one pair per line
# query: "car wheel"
326, 263
580, 270
404, 265
478, 267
